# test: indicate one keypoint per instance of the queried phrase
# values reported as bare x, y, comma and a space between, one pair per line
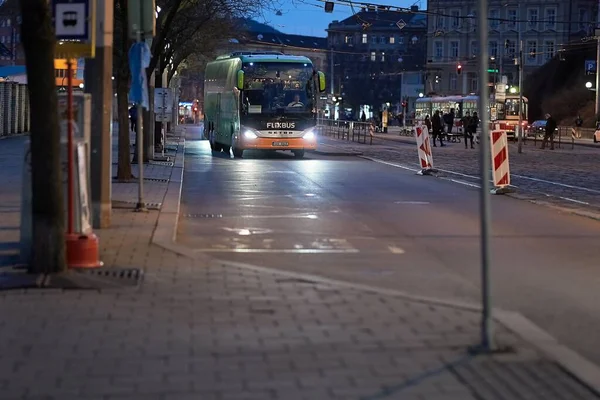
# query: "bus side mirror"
322, 85
240, 80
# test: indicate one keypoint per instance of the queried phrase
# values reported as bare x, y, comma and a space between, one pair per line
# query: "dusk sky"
307, 17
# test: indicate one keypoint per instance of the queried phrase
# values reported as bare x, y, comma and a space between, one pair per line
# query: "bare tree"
48, 253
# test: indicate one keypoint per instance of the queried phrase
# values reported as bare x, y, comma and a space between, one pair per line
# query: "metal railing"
359, 132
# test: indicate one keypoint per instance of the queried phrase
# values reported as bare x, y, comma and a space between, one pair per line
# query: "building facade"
378, 56
547, 29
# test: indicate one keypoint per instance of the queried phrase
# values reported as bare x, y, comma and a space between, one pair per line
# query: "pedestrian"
449, 120
466, 122
436, 127
133, 117
578, 125
549, 134
473, 125
363, 117
428, 123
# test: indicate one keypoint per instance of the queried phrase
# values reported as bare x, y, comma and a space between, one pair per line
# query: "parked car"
537, 128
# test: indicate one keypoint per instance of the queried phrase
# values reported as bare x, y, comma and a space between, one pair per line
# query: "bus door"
218, 115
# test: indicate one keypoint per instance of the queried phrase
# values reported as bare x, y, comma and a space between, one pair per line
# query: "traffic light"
459, 69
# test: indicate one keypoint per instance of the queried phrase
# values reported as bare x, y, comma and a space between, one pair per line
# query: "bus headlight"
310, 135
249, 134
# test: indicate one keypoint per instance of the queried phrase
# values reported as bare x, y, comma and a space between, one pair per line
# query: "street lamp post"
520, 137
597, 31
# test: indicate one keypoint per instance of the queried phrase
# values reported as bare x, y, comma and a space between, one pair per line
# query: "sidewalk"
203, 329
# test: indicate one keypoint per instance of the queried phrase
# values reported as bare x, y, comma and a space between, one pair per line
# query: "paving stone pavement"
202, 330
563, 177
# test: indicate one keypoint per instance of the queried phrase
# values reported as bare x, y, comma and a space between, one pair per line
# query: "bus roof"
265, 57
459, 98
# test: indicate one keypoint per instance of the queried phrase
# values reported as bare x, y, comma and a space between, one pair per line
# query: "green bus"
262, 101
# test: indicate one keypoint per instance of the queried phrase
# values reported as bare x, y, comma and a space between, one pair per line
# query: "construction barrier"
424, 150
500, 164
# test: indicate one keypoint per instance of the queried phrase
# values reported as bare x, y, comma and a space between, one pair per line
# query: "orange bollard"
83, 251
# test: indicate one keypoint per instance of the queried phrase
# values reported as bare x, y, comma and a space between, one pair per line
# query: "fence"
355, 131
14, 108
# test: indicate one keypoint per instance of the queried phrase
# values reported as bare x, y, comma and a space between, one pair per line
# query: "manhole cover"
203, 215
132, 205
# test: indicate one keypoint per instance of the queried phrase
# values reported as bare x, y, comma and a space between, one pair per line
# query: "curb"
578, 366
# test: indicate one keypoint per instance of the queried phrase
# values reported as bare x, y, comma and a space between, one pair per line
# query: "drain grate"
83, 279
165, 180
133, 204
165, 163
203, 215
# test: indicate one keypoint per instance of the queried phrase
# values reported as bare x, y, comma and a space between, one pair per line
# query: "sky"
307, 17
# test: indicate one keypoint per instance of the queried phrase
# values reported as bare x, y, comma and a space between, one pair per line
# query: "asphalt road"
361, 221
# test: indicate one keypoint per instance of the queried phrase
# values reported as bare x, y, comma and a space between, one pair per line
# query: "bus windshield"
277, 88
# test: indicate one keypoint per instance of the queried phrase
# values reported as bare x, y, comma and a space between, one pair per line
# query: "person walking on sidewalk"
578, 125
466, 124
133, 117
436, 127
472, 127
549, 134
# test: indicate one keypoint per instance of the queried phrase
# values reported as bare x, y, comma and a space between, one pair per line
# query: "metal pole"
141, 206
520, 138
485, 164
70, 158
597, 64
331, 89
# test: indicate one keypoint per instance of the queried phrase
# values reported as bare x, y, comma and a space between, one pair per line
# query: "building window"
453, 81
550, 50
19, 20
511, 50
440, 22
584, 19
373, 56
373, 39
473, 82
349, 39
3, 23
8, 22
382, 56
550, 18
532, 18
474, 48
494, 19
512, 18
401, 40
493, 46
454, 49
392, 40
383, 40
364, 38
455, 16
531, 51
438, 50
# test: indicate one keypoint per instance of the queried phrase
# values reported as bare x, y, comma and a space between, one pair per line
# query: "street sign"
71, 20
401, 24
141, 18
74, 26
590, 67
163, 104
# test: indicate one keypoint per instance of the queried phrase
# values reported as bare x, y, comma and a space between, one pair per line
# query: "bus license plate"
280, 144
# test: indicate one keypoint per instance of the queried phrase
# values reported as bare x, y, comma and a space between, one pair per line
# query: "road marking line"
479, 186
557, 184
412, 202
396, 250
275, 251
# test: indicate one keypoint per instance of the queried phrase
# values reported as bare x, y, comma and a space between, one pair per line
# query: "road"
361, 221
566, 177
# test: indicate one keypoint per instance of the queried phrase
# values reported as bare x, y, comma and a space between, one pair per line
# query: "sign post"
141, 22
163, 105
74, 24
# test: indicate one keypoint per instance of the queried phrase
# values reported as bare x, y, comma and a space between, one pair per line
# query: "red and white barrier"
424, 150
500, 164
